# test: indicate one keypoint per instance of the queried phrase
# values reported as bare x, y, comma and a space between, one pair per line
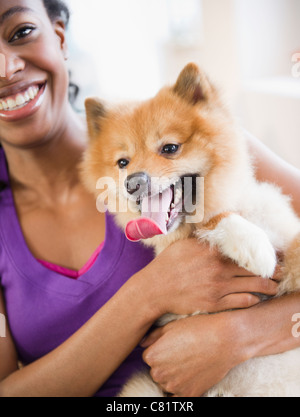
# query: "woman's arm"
84, 362
271, 168
8, 354
81, 365
269, 326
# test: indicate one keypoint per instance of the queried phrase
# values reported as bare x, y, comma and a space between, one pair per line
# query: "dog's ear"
95, 112
193, 85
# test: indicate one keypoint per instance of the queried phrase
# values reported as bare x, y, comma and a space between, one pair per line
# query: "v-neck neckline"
30, 268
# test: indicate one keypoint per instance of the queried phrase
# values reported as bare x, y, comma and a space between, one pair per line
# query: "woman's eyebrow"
13, 10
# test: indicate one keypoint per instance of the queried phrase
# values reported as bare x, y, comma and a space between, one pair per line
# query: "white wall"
268, 34
268, 31
121, 36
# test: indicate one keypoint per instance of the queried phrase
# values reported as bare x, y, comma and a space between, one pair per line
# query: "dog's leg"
242, 241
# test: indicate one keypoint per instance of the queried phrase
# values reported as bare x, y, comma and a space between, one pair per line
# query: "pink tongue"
153, 220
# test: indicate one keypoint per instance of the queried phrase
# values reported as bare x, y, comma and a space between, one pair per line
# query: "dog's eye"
170, 149
123, 163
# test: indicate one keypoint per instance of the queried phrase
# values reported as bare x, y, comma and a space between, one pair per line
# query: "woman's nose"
10, 65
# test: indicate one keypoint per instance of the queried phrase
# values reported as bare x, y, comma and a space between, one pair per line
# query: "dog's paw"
243, 242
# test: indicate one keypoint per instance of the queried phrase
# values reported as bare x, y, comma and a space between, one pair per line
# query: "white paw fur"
243, 242
141, 385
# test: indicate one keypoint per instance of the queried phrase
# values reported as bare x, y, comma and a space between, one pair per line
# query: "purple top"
45, 308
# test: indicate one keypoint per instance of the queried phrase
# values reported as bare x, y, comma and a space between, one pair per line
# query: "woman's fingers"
252, 285
238, 301
152, 338
241, 272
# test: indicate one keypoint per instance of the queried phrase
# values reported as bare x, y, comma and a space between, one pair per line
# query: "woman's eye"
170, 149
123, 163
22, 33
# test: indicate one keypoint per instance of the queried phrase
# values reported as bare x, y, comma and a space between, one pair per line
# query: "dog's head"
150, 155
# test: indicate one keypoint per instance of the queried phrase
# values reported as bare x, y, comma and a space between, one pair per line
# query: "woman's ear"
60, 31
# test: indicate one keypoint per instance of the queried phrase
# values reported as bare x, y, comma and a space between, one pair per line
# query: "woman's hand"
190, 276
189, 356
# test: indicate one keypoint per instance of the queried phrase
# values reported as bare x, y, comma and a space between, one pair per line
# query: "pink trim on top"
70, 273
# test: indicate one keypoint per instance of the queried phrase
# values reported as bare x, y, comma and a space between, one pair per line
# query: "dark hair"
57, 9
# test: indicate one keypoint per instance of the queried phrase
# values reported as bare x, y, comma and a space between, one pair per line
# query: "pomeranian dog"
181, 147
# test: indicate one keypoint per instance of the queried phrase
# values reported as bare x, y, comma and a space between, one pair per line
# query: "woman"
76, 328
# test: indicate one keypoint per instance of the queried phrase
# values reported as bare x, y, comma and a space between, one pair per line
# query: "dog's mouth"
163, 212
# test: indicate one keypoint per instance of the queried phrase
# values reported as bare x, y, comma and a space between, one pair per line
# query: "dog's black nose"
137, 183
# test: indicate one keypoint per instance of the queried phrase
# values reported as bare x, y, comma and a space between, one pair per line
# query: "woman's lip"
29, 109
18, 87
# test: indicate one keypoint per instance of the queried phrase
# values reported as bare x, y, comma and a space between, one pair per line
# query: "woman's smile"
19, 102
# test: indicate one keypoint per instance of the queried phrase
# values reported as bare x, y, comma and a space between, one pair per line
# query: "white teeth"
178, 196
26, 96
20, 100
31, 93
11, 103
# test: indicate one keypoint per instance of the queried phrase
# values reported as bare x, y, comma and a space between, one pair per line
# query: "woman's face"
33, 91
